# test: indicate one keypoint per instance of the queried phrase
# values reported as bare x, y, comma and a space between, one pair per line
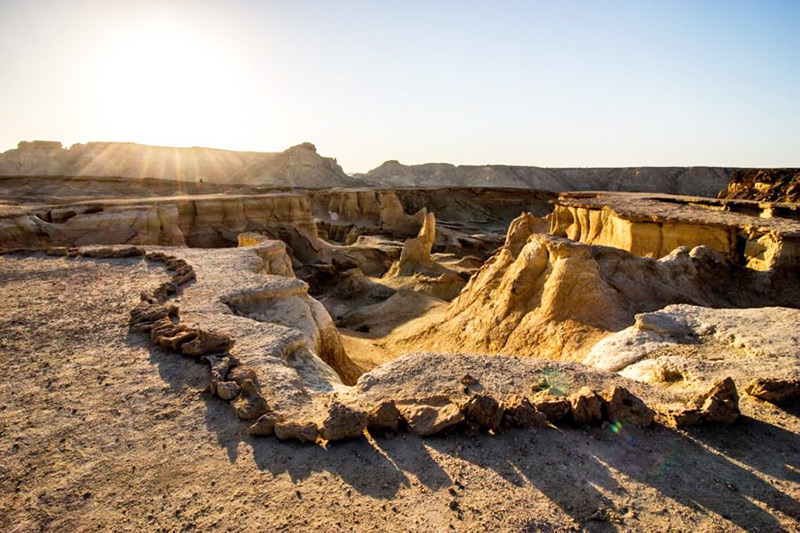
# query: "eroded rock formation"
654, 225
552, 297
198, 221
769, 185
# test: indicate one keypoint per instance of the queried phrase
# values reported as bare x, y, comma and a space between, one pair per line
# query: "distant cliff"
299, 166
697, 181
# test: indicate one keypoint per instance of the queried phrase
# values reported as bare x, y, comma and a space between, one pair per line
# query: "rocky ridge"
698, 181
299, 166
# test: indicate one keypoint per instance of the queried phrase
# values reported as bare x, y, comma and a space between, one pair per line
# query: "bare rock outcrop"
678, 344
343, 422
416, 252
555, 408
385, 416
485, 411
761, 237
774, 390
249, 404
620, 405
419, 271
295, 430
431, 415
199, 221
586, 407
518, 411
265, 425
555, 298
717, 405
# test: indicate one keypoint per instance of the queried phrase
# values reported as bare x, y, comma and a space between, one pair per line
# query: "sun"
168, 85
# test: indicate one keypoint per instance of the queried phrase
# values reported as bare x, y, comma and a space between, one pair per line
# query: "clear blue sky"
552, 83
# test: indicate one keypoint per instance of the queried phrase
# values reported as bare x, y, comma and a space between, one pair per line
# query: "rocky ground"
101, 431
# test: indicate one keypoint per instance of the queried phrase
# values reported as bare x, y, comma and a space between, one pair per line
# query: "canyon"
234, 339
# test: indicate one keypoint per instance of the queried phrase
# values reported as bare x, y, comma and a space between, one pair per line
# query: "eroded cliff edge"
760, 236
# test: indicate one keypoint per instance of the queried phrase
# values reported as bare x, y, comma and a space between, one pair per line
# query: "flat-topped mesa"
760, 236
299, 166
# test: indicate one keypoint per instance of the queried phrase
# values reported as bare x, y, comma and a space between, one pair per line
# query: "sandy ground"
100, 432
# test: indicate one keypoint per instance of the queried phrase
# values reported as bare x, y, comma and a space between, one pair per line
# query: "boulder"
265, 425
343, 422
774, 390
249, 404
484, 410
587, 407
519, 412
384, 417
622, 406
302, 431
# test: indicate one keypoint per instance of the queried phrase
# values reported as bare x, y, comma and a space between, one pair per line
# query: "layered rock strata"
198, 221
759, 236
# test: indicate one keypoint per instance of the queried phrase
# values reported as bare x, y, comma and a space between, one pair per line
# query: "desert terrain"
206, 340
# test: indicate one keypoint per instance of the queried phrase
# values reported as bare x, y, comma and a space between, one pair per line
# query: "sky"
550, 83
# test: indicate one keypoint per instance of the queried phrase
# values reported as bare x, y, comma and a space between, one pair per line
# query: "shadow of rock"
571, 466
764, 447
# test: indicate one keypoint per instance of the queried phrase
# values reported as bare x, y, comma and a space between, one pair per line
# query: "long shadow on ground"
572, 467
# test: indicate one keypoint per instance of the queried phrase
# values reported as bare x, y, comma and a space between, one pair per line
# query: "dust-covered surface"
98, 431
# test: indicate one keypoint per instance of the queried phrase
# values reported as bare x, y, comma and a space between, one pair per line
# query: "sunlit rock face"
769, 185
299, 166
547, 296
747, 233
